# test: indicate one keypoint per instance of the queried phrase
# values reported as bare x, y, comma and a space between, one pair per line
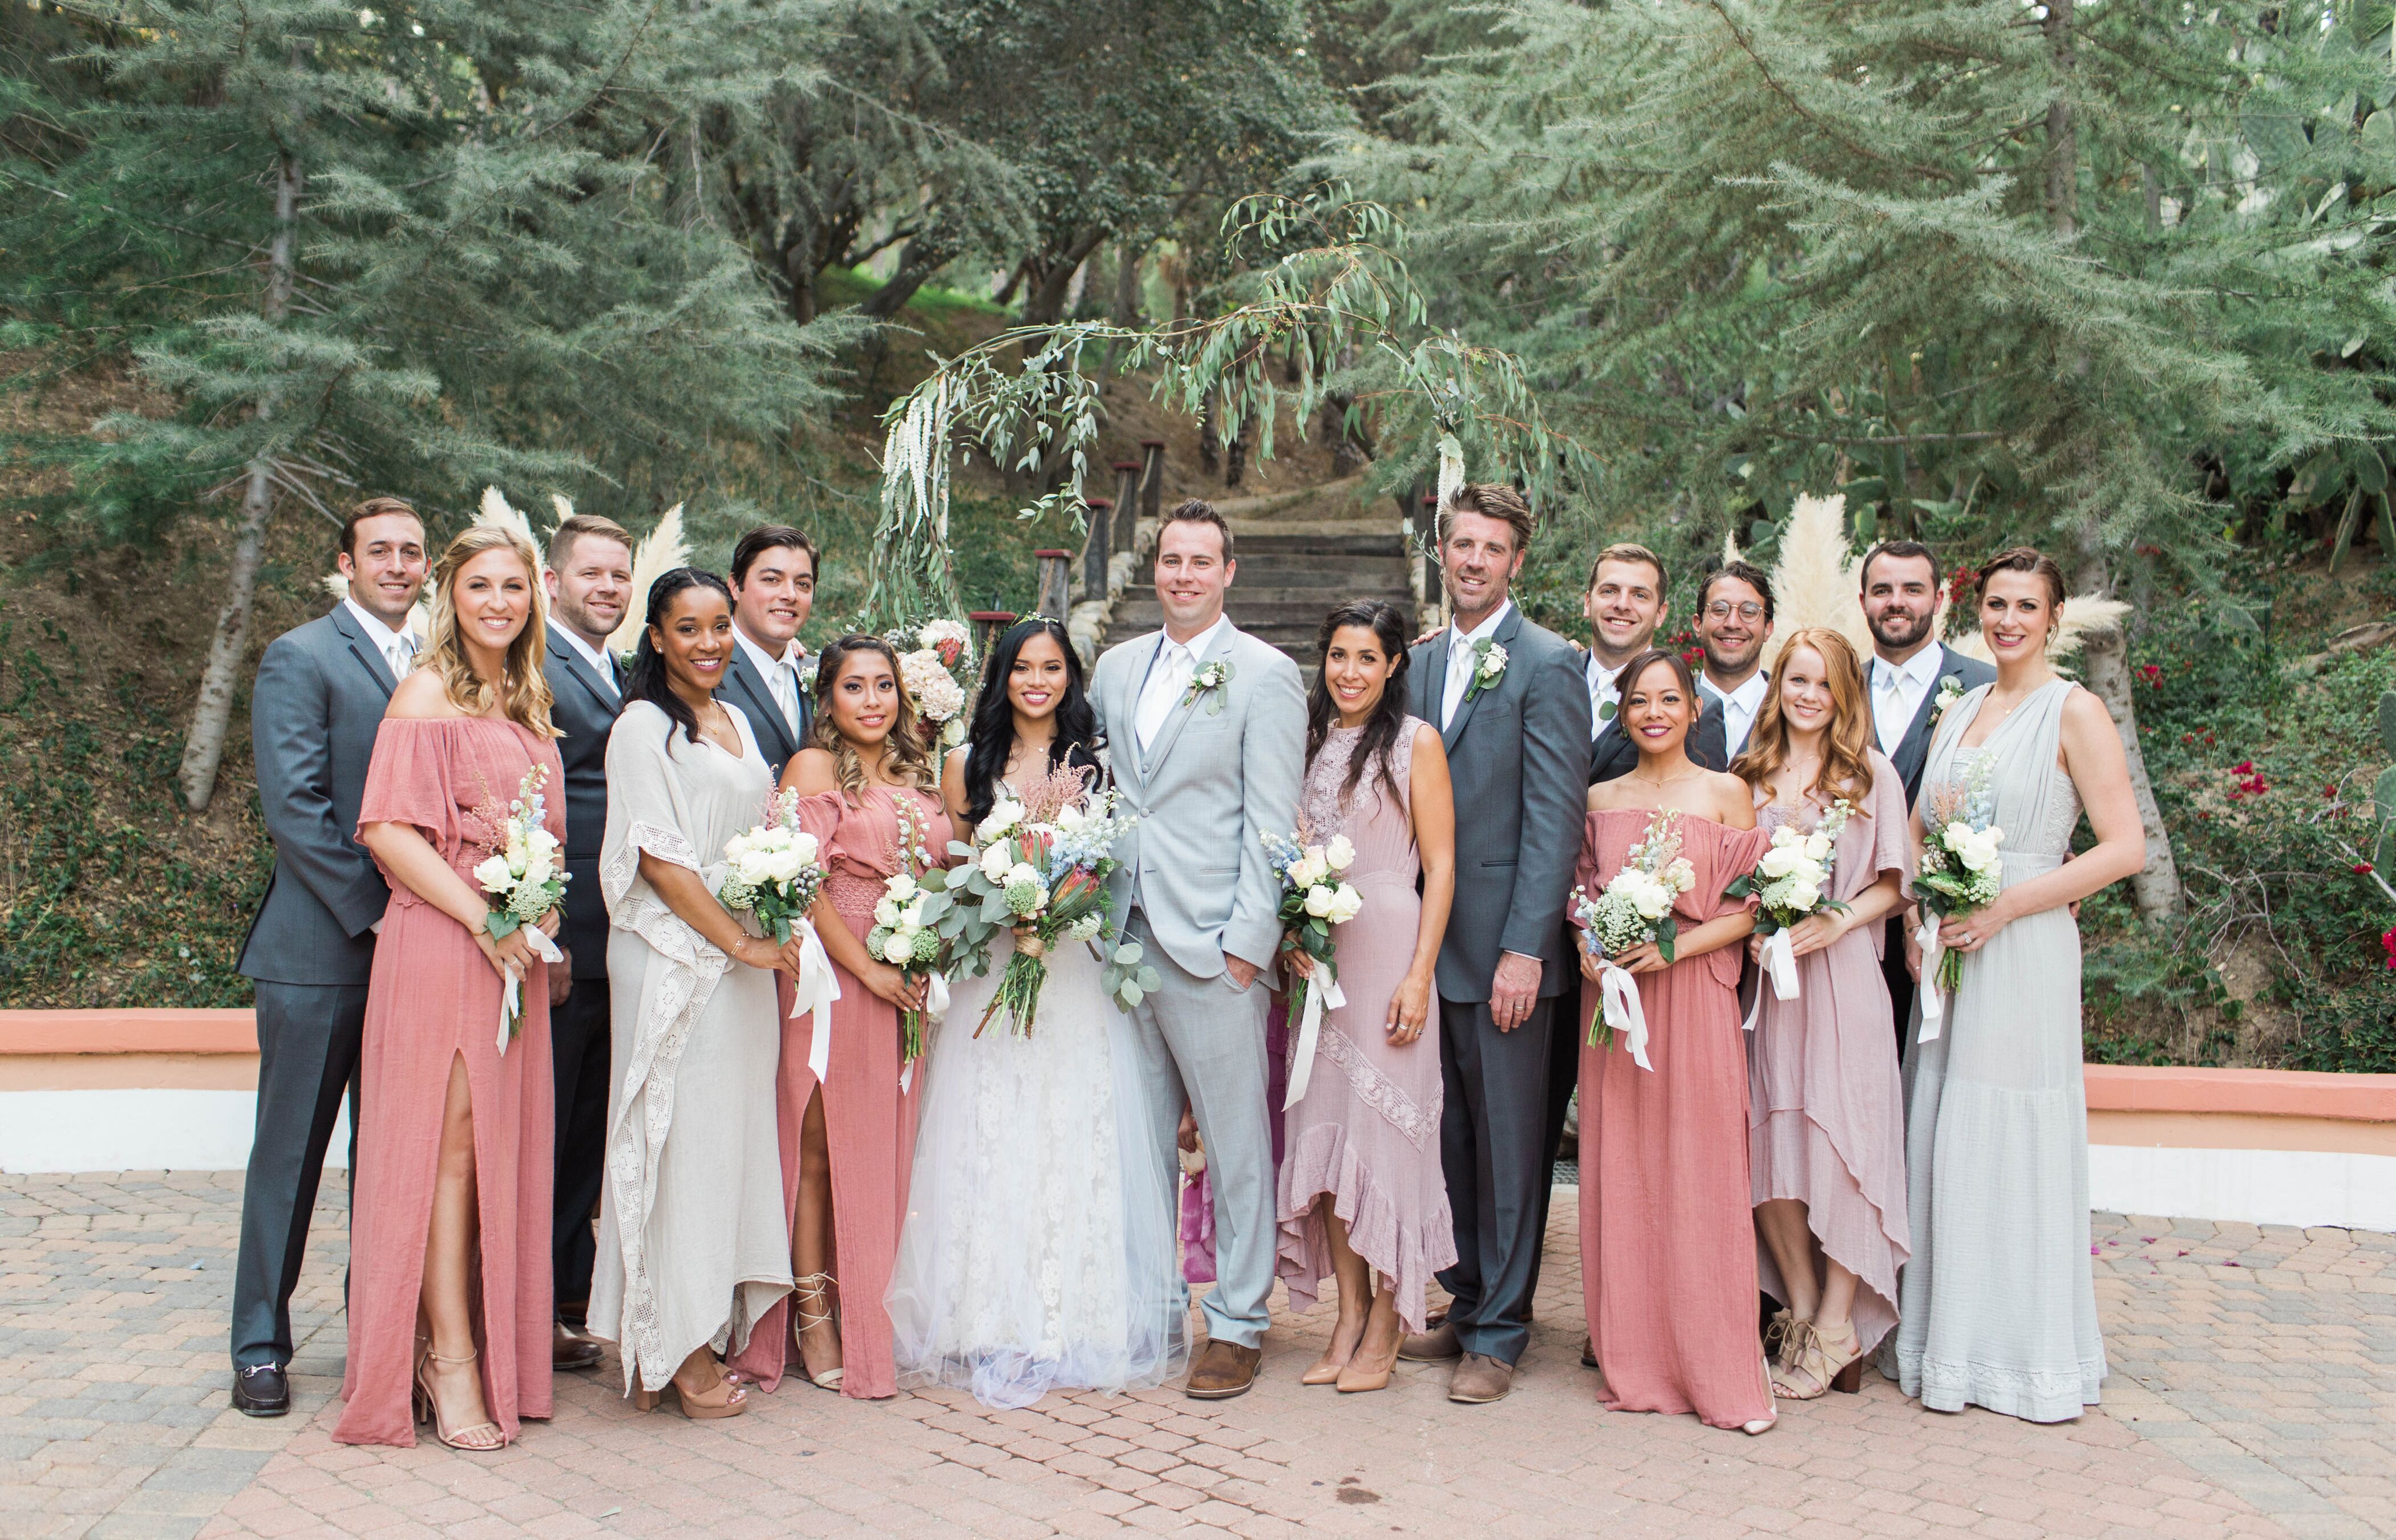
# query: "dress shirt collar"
1200, 645
767, 662
596, 656
1917, 671
1748, 697
380, 635
1464, 639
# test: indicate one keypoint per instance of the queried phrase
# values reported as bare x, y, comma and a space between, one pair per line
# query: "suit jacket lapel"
760, 706
608, 701
365, 652
1924, 715
1123, 723
1506, 631
1178, 718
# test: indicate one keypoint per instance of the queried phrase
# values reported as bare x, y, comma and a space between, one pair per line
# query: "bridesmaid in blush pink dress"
870, 794
1667, 1243
450, 1304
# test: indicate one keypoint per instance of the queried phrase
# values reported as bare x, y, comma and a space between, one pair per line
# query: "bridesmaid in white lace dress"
1998, 1305
1038, 1248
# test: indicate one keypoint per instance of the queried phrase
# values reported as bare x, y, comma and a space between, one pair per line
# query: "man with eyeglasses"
1733, 622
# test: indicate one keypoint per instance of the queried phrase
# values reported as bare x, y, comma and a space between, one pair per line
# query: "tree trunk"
922, 258
1043, 302
204, 746
1127, 258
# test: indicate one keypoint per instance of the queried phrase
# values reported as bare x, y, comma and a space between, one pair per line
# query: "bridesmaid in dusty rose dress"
1826, 1116
1361, 1194
1667, 1244
870, 794
453, 1153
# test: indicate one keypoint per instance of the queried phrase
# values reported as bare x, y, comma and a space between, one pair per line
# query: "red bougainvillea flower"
2151, 673
2363, 869
2244, 767
2389, 942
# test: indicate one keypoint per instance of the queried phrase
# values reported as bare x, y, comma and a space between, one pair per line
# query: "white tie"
786, 692
1166, 683
1887, 724
401, 655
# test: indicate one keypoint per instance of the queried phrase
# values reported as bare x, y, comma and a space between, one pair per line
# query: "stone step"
1307, 542
1317, 597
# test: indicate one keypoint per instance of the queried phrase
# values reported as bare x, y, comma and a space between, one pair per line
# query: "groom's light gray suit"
1193, 886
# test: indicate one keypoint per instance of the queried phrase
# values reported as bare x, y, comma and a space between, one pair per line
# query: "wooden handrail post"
1096, 546
1056, 589
1152, 482
1127, 499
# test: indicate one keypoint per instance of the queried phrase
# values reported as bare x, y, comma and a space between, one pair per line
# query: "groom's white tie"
1167, 680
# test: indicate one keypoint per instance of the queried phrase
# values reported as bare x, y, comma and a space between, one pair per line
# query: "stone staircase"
1300, 553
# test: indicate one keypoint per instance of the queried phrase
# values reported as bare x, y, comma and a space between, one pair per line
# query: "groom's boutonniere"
1488, 667
624, 656
1950, 690
1208, 680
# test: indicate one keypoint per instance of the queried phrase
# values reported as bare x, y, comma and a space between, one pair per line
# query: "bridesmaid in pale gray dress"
1361, 1194
1998, 1307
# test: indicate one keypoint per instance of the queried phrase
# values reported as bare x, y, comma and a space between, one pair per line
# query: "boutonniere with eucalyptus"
1488, 667
1207, 680
810, 665
624, 656
1950, 690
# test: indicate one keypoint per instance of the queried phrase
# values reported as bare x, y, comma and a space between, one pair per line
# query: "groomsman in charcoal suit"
313, 714
1733, 622
590, 581
1205, 730
1512, 707
773, 589
1901, 600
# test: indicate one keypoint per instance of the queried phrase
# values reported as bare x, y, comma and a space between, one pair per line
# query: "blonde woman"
869, 794
1825, 1118
450, 1257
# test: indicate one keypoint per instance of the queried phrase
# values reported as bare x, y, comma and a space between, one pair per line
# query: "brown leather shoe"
1436, 1345
1223, 1370
1480, 1380
570, 1350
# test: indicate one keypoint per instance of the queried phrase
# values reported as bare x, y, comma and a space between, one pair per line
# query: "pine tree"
1999, 272
410, 251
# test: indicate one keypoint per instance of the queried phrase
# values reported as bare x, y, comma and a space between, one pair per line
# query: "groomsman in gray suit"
1511, 707
313, 717
773, 590
590, 581
1625, 605
1901, 600
1206, 728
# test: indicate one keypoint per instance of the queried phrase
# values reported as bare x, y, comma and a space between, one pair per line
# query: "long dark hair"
645, 680
991, 738
1380, 739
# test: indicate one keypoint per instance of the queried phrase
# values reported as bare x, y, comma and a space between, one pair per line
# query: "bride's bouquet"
1960, 871
524, 875
1790, 882
1632, 910
1314, 898
1039, 866
772, 872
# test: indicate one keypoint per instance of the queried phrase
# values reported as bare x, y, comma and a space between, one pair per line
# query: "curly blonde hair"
908, 757
525, 684
1847, 748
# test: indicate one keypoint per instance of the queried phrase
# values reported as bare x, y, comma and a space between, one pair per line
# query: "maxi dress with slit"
1826, 1116
692, 1250
432, 999
868, 1119
1667, 1227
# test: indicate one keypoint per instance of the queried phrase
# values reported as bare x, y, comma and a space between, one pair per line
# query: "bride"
1038, 1250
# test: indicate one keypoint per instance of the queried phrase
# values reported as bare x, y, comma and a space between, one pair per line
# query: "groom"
1206, 728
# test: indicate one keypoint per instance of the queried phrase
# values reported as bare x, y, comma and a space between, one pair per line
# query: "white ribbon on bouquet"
1618, 992
512, 992
1932, 1007
936, 1006
1779, 958
1323, 993
812, 995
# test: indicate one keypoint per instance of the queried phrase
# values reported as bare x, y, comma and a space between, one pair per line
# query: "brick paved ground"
2254, 1392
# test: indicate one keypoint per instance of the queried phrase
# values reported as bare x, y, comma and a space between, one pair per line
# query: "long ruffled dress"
1826, 1116
1999, 1301
1667, 1231
869, 1121
1366, 1131
433, 998
692, 1246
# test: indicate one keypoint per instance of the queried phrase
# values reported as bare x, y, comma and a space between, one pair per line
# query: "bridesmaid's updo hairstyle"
990, 738
2031, 559
522, 691
1845, 770
908, 754
645, 680
1380, 735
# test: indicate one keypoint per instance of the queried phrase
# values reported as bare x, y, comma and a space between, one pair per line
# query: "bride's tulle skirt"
1038, 1250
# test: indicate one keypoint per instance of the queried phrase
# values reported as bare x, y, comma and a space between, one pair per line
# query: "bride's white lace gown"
1038, 1250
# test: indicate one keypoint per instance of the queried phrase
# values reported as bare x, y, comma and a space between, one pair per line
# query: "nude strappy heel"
811, 1286
425, 1409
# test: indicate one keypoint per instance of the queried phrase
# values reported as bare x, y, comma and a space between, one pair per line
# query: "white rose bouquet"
1791, 882
1040, 868
1961, 870
1314, 896
905, 932
772, 872
1634, 909
524, 876
930, 656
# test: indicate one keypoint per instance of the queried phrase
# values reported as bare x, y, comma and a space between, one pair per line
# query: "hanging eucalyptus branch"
1336, 284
